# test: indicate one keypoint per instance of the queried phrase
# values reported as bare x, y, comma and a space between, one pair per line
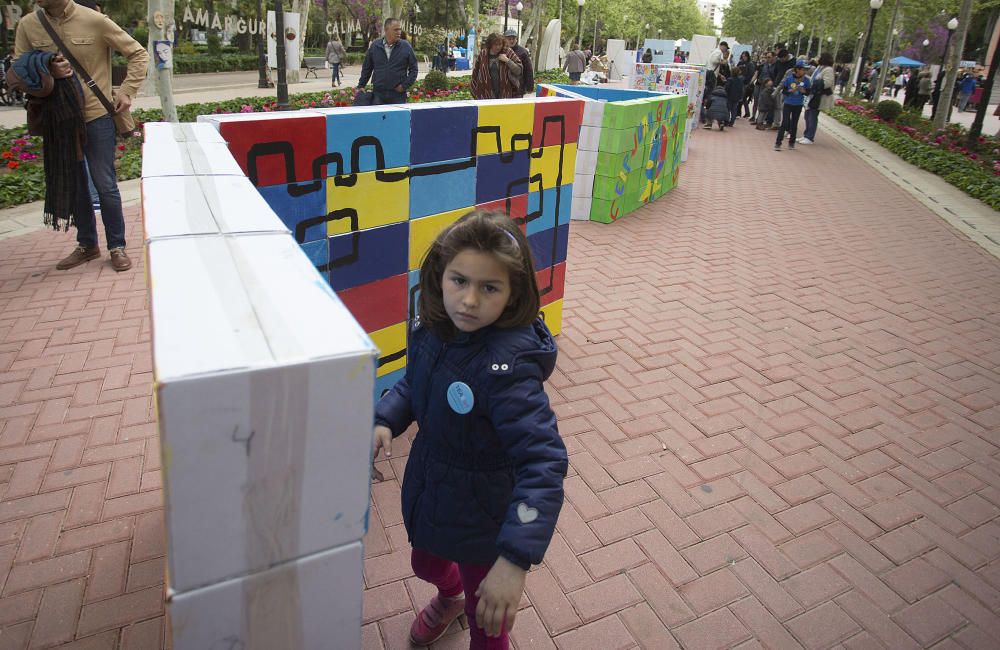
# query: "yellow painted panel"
424, 230
513, 119
553, 316
390, 341
378, 202
548, 165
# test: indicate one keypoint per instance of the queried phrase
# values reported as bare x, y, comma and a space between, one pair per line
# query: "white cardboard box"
165, 157
310, 604
178, 206
158, 132
264, 386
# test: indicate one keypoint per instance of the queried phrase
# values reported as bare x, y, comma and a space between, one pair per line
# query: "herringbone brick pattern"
780, 391
81, 526
779, 386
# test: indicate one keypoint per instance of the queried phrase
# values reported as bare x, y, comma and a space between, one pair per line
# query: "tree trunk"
883, 74
957, 44
160, 18
977, 124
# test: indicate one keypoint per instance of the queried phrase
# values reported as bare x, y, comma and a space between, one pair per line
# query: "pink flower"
246, 108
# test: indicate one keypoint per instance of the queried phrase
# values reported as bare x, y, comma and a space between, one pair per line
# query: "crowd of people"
918, 87
771, 91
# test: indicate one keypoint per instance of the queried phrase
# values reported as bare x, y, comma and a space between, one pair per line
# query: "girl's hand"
503, 57
383, 440
499, 595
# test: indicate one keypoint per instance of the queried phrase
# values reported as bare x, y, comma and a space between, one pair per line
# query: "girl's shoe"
433, 621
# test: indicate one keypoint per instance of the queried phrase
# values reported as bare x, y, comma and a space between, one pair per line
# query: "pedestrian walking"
965, 90
924, 90
734, 91
335, 56
390, 64
575, 63
794, 88
483, 483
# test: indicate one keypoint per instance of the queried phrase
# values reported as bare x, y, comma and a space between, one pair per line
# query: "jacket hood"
532, 343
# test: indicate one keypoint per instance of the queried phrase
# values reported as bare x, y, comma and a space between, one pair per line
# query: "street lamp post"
579, 21
798, 39
506, 12
520, 7
279, 42
875, 5
952, 26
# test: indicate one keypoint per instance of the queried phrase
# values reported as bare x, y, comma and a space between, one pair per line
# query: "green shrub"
435, 80
888, 110
551, 77
955, 168
141, 34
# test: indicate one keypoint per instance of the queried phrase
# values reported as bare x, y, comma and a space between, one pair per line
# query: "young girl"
484, 481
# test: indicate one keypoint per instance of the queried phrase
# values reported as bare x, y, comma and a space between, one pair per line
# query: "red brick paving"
779, 386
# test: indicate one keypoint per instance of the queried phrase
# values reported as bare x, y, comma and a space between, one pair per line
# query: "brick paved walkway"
783, 425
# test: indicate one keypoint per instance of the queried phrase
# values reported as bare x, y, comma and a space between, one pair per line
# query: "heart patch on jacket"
526, 513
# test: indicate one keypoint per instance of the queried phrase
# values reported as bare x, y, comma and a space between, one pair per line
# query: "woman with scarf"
497, 73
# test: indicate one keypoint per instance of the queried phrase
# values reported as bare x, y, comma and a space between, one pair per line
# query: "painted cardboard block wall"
676, 78
365, 191
263, 387
629, 148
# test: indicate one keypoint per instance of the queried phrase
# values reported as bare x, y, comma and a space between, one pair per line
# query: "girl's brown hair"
488, 232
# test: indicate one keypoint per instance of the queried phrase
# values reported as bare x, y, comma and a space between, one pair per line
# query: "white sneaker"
805, 141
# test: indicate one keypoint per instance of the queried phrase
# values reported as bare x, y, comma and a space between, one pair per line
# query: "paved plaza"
779, 386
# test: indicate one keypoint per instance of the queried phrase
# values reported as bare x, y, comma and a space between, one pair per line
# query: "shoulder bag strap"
87, 79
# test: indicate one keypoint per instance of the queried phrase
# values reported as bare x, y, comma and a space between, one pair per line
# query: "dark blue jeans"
336, 72
812, 122
100, 153
789, 123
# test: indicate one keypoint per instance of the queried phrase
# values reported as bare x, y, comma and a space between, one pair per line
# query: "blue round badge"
460, 397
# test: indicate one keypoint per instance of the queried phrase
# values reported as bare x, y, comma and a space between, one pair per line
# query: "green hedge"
955, 168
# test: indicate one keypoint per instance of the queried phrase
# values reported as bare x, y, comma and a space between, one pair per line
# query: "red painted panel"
275, 142
378, 304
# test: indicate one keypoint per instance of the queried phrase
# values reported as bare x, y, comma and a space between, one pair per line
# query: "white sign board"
291, 41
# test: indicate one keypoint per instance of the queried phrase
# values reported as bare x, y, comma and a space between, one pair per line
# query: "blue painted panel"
292, 210
318, 253
368, 132
501, 175
385, 383
441, 191
367, 255
550, 202
441, 133
549, 247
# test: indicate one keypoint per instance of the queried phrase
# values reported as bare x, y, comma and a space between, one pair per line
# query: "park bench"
312, 64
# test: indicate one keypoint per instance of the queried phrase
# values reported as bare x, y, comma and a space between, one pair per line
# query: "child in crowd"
718, 108
484, 480
765, 106
794, 88
734, 91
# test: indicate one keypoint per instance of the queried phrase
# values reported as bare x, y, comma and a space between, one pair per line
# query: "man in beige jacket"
91, 37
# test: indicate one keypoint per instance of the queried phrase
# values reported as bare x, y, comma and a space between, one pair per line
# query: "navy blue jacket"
488, 482
387, 73
718, 107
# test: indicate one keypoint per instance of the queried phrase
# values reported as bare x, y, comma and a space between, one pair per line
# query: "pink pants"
450, 579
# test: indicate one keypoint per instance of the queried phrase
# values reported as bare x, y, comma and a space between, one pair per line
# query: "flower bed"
22, 177
944, 152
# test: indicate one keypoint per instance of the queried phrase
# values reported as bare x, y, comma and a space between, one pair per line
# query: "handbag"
124, 123
364, 98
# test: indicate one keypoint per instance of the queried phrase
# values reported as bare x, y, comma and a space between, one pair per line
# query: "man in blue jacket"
390, 64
